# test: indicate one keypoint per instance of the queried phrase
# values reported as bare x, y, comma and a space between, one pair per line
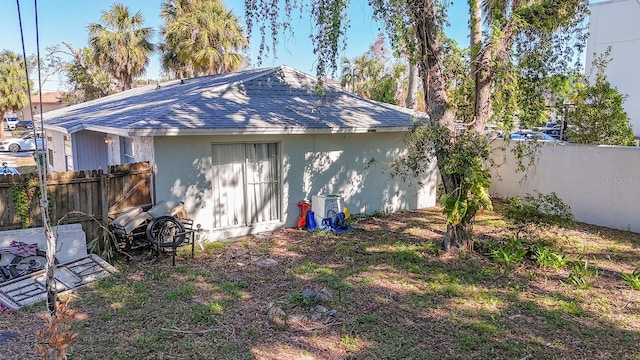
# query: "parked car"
553, 129
531, 135
10, 123
6, 170
24, 125
26, 142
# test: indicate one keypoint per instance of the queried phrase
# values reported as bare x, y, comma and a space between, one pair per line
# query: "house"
614, 23
241, 149
50, 101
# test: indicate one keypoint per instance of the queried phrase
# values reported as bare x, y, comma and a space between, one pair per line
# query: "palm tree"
201, 37
13, 85
121, 45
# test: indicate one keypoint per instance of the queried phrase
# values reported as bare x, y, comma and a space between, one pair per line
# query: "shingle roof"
268, 101
48, 98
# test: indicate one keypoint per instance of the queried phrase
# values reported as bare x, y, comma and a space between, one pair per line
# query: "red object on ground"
304, 206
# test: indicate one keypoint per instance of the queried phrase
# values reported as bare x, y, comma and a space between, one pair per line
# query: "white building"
615, 23
241, 149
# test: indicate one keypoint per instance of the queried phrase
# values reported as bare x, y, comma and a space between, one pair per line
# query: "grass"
395, 296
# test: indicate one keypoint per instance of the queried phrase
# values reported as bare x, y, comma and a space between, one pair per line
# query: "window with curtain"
246, 183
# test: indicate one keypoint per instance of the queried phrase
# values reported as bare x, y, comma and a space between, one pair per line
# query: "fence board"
80, 197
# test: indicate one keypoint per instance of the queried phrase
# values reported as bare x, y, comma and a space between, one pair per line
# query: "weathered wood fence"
90, 198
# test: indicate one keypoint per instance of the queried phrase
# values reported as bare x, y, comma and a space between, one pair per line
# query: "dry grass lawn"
386, 290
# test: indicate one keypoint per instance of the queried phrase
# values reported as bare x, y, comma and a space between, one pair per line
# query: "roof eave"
263, 131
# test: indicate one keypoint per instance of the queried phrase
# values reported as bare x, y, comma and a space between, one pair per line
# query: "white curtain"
246, 185
228, 185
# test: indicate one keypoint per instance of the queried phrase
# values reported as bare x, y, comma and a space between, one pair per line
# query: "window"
246, 183
126, 150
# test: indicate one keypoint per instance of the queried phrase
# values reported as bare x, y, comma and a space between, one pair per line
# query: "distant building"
615, 23
50, 101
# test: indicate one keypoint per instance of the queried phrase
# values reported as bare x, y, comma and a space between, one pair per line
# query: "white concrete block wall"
600, 183
615, 23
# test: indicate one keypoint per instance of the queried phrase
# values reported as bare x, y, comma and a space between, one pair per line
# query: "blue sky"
66, 20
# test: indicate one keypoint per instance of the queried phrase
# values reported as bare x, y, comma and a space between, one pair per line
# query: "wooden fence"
90, 198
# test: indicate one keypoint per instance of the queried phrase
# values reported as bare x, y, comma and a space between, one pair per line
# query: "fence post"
104, 198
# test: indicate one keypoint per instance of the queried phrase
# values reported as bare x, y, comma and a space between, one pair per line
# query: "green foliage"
464, 164
200, 37
22, 195
633, 279
185, 293
526, 43
87, 81
13, 84
460, 160
532, 211
599, 117
370, 76
121, 44
205, 314
582, 274
510, 253
296, 299
546, 258
460, 84
21, 204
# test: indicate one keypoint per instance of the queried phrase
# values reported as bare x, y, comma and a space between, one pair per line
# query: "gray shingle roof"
270, 101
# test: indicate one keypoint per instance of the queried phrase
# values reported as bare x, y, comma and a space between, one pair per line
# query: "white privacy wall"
600, 183
615, 23
350, 165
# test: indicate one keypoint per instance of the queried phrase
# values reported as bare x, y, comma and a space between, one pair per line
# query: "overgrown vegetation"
504, 75
23, 195
529, 212
598, 116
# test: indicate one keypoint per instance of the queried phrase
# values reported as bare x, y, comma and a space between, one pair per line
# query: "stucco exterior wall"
615, 23
351, 165
600, 183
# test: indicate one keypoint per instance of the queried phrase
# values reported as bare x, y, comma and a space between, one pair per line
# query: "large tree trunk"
480, 68
495, 50
431, 65
484, 84
412, 91
458, 237
438, 106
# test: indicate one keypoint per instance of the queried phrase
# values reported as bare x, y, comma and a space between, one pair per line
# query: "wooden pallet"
32, 288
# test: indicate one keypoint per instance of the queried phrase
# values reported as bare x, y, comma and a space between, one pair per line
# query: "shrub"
531, 211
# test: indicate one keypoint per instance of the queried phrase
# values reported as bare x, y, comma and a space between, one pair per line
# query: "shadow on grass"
395, 294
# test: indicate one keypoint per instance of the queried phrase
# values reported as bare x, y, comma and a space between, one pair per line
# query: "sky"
66, 20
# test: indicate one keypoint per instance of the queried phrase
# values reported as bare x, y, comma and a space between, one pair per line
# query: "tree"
13, 85
201, 37
598, 117
526, 40
369, 76
87, 81
51, 64
121, 45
